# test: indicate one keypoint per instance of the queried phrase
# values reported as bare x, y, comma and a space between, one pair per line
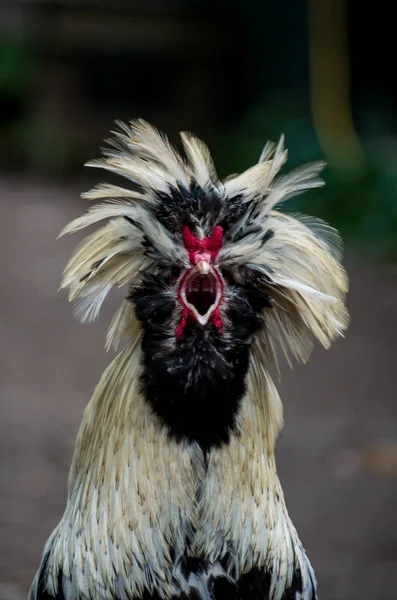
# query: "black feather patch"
255, 585
196, 385
176, 209
200, 580
197, 579
234, 210
41, 593
209, 207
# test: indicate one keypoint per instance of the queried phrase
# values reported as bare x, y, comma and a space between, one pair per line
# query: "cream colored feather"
131, 488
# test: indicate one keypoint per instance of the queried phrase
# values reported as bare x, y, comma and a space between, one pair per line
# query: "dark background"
236, 74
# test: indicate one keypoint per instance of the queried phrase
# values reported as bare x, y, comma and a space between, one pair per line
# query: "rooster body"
173, 490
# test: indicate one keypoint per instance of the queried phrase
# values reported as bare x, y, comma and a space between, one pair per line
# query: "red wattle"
216, 320
179, 329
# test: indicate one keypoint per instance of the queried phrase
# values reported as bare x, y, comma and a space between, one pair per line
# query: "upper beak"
203, 267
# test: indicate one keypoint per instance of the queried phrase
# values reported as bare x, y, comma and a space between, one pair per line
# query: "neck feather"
144, 496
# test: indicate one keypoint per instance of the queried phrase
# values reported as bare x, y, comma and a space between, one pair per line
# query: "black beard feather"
195, 385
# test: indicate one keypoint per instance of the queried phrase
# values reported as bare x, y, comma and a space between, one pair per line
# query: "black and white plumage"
173, 490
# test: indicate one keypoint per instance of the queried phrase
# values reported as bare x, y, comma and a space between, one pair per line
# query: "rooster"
173, 490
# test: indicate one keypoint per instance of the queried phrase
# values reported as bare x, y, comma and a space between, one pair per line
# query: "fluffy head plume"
293, 259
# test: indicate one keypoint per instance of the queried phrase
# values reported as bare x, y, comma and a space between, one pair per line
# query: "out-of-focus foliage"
63, 83
362, 205
16, 64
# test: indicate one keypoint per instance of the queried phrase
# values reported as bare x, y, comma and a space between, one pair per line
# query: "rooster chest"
203, 535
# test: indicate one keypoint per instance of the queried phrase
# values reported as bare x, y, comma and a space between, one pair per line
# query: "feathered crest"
296, 259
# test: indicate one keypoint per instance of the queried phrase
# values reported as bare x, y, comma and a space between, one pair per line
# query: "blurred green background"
236, 73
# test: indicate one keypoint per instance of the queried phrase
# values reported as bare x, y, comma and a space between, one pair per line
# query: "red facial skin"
206, 250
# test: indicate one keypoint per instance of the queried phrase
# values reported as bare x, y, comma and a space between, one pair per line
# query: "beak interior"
201, 294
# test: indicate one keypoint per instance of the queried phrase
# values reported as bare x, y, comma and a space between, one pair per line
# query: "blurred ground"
337, 456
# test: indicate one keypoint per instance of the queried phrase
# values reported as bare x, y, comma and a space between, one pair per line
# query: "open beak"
201, 291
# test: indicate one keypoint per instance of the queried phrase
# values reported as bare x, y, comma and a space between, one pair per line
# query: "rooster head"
215, 270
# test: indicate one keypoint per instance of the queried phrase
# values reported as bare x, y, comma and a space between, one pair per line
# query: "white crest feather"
200, 159
298, 256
